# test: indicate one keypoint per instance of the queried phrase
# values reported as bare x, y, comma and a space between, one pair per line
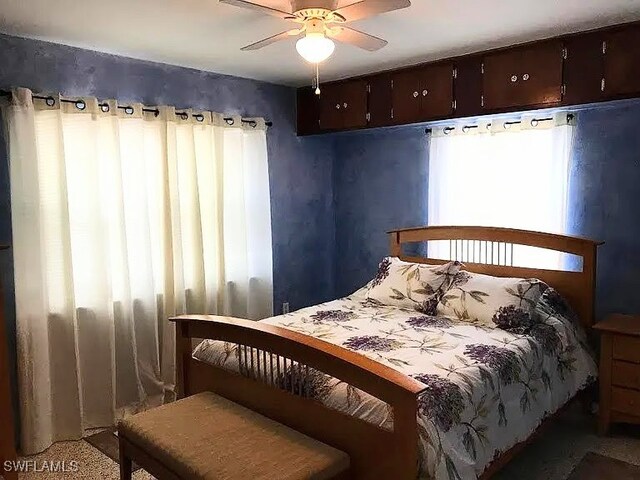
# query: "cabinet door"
541, 74
330, 107
353, 95
500, 79
436, 91
468, 87
406, 97
524, 76
380, 100
622, 62
583, 69
308, 111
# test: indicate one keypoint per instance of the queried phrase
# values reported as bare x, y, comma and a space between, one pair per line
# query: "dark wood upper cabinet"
468, 86
380, 100
523, 76
423, 93
437, 90
343, 105
575, 69
330, 107
622, 62
308, 111
406, 96
501, 74
354, 104
583, 68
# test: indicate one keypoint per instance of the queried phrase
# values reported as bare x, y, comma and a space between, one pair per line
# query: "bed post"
406, 431
589, 261
395, 247
183, 357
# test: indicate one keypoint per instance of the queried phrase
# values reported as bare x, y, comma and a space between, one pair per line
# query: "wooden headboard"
578, 287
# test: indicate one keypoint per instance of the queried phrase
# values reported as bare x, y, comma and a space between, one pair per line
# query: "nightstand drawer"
625, 374
625, 401
626, 348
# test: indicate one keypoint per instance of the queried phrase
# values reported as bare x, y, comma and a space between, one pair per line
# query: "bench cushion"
209, 437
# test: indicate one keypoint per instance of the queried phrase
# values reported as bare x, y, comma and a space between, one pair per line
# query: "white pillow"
491, 301
411, 285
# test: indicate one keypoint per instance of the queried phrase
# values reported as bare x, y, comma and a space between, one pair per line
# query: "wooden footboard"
376, 453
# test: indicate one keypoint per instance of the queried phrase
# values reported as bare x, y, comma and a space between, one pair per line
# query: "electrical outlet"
285, 307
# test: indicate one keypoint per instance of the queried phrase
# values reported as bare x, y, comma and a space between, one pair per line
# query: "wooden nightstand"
619, 370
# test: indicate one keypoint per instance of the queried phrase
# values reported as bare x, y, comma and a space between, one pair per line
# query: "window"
503, 174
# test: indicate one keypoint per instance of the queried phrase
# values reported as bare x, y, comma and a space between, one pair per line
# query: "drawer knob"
514, 78
425, 93
415, 94
525, 77
346, 105
338, 106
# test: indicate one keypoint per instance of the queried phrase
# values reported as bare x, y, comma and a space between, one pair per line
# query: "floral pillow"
507, 303
411, 285
552, 324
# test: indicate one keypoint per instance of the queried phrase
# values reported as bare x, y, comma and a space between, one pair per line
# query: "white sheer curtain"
122, 218
502, 174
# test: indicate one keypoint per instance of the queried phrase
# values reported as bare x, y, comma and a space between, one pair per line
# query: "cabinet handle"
415, 94
425, 93
525, 77
346, 104
514, 78
338, 106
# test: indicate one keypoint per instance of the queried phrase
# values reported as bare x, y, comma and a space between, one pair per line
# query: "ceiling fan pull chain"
317, 79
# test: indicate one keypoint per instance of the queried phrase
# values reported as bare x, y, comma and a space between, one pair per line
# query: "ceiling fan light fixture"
315, 47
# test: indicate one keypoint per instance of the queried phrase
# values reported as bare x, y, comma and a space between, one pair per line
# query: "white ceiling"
207, 35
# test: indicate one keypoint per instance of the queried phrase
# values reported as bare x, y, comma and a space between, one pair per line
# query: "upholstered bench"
209, 437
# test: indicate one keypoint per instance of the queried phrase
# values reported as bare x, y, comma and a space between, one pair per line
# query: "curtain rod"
534, 122
81, 105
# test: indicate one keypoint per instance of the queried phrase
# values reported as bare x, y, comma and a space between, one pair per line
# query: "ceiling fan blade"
368, 8
257, 7
357, 38
273, 39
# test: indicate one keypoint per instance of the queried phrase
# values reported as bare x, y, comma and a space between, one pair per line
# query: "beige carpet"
558, 451
92, 464
552, 457
597, 467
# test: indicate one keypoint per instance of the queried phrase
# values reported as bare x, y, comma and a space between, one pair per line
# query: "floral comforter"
486, 389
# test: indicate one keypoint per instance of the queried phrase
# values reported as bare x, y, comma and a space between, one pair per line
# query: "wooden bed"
375, 452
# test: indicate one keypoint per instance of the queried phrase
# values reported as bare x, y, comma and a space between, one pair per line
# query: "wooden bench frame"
130, 452
375, 453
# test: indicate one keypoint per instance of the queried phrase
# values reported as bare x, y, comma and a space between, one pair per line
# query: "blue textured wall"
605, 199
299, 168
380, 181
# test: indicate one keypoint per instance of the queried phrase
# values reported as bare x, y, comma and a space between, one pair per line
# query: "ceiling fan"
321, 22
